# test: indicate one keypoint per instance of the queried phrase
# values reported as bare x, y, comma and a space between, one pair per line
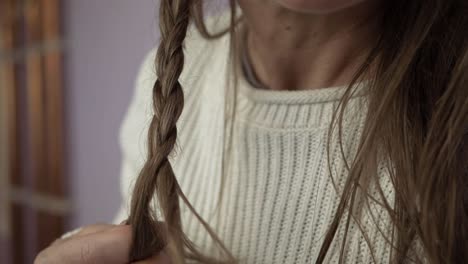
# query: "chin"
317, 6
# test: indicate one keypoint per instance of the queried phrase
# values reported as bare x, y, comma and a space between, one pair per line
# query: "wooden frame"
31, 72
10, 24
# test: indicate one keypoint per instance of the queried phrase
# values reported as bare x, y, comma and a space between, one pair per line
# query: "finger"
71, 233
82, 231
93, 229
65, 237
161, 258
109, 246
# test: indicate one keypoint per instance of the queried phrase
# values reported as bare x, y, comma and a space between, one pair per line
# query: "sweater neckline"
287, 110
312, 96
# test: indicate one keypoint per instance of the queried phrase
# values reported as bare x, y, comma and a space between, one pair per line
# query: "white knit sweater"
278, 199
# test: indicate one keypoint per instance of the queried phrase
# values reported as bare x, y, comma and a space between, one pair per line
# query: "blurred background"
67, 69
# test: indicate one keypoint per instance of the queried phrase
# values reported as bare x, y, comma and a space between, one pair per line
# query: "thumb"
109, 246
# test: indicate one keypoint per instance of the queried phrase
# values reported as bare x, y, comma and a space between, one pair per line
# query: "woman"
312, 132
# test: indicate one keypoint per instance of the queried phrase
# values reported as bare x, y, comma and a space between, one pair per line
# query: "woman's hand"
106, 244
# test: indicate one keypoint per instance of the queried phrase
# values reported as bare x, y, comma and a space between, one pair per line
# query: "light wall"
107, 40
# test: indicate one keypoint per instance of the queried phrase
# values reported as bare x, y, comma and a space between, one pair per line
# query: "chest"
277, 195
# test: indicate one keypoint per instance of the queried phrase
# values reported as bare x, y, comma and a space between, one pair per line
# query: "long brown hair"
417, 119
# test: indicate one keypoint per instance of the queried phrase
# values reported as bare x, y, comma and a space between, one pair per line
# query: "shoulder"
202, 57
199, 54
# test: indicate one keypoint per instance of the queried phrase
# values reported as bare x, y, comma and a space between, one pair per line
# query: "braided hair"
151, 235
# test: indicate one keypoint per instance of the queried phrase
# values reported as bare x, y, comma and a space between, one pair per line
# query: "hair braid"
157, 175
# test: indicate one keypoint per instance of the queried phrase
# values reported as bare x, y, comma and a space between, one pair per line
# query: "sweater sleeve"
133, 133
135, 125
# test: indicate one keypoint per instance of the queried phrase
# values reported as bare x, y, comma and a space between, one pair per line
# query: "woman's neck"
290, 50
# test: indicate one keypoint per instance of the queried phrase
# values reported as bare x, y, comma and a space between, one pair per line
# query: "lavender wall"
107, 41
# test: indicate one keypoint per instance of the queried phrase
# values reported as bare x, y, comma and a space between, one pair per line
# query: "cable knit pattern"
278, 199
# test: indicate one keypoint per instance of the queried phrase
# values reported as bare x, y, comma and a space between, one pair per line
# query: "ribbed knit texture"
278, 199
